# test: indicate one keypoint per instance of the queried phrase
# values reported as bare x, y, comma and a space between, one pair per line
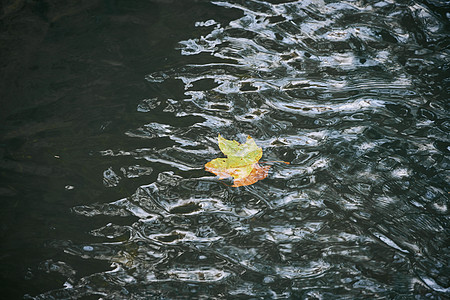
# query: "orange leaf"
258, 173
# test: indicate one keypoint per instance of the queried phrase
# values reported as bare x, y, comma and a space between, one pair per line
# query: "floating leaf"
241, 162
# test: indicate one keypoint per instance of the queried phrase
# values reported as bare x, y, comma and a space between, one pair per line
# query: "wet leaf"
241, 162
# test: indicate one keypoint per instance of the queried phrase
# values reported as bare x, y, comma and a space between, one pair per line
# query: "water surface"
105, 195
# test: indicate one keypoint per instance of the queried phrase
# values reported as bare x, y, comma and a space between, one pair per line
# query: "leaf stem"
274, 161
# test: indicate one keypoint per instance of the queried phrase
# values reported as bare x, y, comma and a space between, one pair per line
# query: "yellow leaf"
241, 162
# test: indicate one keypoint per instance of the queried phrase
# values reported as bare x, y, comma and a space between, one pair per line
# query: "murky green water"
112, 110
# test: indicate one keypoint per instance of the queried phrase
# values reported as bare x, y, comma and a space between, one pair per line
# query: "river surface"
111, 111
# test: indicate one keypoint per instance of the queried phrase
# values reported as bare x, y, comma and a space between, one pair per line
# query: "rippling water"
352, 93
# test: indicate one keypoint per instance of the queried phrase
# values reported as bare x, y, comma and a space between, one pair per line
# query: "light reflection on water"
339, 89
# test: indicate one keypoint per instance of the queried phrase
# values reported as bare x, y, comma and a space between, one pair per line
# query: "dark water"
111, 109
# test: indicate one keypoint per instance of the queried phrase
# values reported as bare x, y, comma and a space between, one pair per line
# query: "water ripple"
339, 89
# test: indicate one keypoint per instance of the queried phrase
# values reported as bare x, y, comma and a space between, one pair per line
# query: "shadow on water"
113, 113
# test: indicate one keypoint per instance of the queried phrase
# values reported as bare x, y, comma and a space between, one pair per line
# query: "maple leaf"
241, 162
